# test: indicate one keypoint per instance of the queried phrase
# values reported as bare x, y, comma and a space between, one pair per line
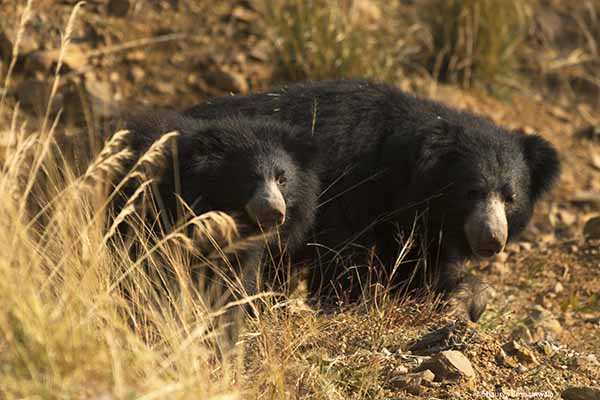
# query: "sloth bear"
261, 172
399, 167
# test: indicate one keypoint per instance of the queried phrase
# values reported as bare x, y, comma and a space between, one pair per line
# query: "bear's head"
480, 181
254, 168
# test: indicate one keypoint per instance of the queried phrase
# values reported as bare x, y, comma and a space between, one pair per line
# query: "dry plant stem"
15, 53
150, 156
47, 136
109, 160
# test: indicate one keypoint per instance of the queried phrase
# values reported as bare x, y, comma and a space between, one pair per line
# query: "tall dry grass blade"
47, 135
25, 17
128, 209
65, 42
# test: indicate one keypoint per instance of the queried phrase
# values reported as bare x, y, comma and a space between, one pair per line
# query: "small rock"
521, 369
518, 350
546, 348
449, 365
591, 229
504, 359
244, 14
427, 375
525, 246
498, 268
136, 55
167, 88
414, 389
585, 361
401, 370
412, 382
595, 161
580, 393
565, 217
522, 333
559, 113
540, 317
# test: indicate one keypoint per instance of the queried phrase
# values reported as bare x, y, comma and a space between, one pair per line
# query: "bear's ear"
437, 139
543, 162
422, 148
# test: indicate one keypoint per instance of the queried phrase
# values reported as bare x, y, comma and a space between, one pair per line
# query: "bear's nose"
492, 246
267, 205
271, 215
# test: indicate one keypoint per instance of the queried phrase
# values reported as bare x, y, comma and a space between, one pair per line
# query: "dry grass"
319, 39
474, 40
65, 328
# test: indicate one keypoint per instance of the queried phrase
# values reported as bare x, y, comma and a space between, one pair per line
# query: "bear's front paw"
469, 300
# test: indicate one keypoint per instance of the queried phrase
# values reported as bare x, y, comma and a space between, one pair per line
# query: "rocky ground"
541, 334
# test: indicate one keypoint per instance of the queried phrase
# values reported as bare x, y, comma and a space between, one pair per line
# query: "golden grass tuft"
473, 40
65, 328
319, 39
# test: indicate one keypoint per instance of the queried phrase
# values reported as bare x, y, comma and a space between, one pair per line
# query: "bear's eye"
508, 194
280, 178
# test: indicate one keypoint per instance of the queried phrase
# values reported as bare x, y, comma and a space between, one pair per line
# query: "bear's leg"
466, 294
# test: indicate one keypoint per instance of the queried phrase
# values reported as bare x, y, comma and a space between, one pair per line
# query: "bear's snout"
486, 227
267, 205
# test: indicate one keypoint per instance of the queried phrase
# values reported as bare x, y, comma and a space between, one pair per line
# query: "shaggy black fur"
391, 157
218, 166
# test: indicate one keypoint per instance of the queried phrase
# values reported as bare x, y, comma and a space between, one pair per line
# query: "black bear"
262, 172
399, 166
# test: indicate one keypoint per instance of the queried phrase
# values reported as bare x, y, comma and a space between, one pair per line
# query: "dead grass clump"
66, 330
474, 40
321, 39
346, 353
566, 52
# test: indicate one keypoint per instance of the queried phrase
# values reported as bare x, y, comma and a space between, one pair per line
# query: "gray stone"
518, 350
591, 229
580, 393
504, 359
449, 365
542, 318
